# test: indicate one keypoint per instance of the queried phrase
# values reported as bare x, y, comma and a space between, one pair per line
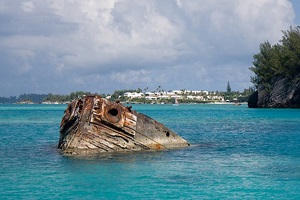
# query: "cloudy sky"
60, 46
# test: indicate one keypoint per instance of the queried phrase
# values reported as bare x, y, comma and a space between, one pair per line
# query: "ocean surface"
235, 153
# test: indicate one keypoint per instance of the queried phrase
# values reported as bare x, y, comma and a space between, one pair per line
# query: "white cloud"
131, 77
28, 6
139, 42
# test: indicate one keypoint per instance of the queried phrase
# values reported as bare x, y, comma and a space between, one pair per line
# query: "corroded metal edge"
95, 124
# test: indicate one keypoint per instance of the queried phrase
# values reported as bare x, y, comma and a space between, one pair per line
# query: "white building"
177, 91
132, 95
151, 97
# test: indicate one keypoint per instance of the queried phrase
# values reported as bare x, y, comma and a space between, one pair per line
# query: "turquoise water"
236, 153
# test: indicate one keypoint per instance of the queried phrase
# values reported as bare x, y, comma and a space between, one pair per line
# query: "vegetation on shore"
40, 98
228, 95
119, 95
278, 60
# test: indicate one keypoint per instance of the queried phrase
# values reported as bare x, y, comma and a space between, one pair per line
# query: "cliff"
283, 93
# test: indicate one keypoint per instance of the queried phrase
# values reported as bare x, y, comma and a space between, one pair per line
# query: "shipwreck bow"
95, 124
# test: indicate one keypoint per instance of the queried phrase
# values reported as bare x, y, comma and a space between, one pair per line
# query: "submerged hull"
95, 124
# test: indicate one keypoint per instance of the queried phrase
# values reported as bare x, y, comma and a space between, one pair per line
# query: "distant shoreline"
127, 103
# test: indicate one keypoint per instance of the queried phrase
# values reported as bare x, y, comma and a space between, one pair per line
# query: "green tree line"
66, 98
281, 59
36, 98
39, 98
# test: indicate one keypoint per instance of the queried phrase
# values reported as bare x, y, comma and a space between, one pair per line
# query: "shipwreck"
96, 125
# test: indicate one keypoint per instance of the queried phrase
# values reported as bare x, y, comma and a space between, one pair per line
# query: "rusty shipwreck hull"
94, 124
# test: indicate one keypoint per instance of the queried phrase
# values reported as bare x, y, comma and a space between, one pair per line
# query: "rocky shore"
283, 93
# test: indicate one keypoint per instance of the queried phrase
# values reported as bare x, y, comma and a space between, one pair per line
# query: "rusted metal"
95, 124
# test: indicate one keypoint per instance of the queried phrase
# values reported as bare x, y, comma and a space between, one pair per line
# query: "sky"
99, 46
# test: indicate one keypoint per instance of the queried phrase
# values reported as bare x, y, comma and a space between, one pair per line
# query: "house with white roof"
133, 95
177, 91
149, 93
